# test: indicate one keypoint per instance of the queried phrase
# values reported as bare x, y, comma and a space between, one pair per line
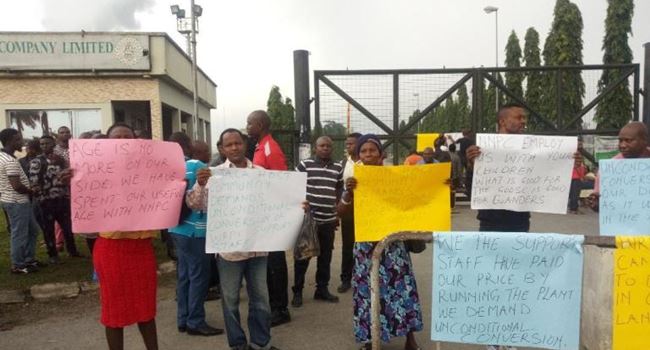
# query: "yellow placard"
389, 199
425, 140
631, 304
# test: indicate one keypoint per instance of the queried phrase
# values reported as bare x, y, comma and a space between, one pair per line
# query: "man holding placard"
235, 266
511, 119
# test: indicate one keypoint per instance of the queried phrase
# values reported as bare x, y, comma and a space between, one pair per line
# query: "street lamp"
189, 27
488, 10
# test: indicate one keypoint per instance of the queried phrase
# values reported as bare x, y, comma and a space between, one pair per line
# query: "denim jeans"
193, 273
231, 274
24, 230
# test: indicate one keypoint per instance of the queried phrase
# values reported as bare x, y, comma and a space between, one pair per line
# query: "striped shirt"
324, 186
9, 166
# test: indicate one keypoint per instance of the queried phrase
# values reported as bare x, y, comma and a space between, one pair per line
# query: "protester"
32, 150
428, 157
269, 155
220, 157
401, 312
347, 219
53, 198
193, 268
511, 119
15, 191
234, 267
324, 187
577, 177
456, 173
413, 158
63, 136
126, 266
632, 143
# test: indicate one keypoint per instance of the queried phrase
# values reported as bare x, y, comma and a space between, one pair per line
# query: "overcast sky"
246, 46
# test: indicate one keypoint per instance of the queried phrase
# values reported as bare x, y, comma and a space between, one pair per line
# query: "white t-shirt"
9, 166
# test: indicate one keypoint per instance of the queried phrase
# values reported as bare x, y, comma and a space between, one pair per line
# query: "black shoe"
297, 299
280, 317
36, 264
182, 329
325, 295
205, 331
344, 287
23, 270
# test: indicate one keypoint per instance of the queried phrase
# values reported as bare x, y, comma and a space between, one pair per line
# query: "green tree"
513, 60
489, 112
617, 108
335, 131
563, 47
280, 110
534, 79
463, 109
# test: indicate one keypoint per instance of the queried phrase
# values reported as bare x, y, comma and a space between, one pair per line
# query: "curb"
56, 291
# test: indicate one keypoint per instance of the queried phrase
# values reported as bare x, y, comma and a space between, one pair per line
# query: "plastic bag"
307, 245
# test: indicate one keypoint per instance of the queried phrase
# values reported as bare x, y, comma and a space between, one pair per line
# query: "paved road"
74, 324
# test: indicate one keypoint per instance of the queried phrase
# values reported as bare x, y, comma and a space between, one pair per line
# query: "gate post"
646, 86
301, 95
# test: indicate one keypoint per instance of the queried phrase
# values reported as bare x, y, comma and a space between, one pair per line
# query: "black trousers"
574, 194
57, 210
326, 241
347, 260
277, 280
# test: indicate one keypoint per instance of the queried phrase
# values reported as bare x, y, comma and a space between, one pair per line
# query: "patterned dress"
401, 311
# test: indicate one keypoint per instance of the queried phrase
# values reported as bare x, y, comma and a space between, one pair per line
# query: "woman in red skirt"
126, 267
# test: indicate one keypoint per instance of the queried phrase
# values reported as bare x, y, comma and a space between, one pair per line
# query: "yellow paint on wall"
631, 295
390, 199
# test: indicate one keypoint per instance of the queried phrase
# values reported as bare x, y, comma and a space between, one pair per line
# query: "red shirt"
269, 155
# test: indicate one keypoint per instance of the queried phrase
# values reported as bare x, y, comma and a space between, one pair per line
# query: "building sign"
74, 51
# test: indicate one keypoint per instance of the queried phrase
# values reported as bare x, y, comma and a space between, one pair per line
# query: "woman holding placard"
400, 304
126, 266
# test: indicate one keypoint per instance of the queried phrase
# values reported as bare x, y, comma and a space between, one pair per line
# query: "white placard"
254, 210
523, 172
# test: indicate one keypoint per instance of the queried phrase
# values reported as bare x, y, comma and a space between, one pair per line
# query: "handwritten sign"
631, 314
389, 199
425, 140
625, 197
253, 210
515, 289
125, 185
523, 172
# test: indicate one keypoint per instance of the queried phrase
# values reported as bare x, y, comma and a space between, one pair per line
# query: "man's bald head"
258, 123
201, 151
633, 140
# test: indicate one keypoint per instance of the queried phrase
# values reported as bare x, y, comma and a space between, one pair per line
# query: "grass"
71, 269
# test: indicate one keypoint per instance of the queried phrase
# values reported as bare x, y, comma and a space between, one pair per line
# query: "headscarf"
369, 138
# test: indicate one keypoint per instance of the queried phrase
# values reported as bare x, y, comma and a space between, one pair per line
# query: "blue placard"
515, 289
624, 197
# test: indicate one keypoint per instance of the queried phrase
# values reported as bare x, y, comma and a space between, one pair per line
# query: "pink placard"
125, 184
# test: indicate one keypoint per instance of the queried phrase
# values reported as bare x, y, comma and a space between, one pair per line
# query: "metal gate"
393, 103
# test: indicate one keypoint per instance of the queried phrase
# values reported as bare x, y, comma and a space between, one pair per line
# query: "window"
36, 123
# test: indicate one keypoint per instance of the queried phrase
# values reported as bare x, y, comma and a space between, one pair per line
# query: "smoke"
93, 15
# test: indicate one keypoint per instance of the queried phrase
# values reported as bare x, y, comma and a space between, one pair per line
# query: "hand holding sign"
125, 184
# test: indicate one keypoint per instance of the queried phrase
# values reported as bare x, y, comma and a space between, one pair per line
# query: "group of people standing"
125, 262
